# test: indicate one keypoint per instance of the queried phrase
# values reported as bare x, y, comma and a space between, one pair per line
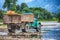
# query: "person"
35, 24
39, 26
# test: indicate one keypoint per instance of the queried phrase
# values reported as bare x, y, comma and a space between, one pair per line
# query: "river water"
51, 32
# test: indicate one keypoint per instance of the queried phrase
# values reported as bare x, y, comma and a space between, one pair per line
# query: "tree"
41, 13
23, 5
58, 16
26, 9
10, 4
18, 7
22, 8
1, 13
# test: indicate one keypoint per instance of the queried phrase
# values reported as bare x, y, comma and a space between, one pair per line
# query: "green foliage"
23, 5
41, 13
58, 16
1, 14
1, 20
22, 8
10, 4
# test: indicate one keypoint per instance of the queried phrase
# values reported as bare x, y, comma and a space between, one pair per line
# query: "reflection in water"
50, 33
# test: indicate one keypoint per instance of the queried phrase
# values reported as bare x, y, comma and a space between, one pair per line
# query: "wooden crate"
18, 18
11, 19
27, 18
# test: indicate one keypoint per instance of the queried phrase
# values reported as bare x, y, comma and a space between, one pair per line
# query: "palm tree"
9, 4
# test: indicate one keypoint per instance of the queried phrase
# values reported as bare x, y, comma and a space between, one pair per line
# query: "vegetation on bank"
58, 16
1, 20
40, 13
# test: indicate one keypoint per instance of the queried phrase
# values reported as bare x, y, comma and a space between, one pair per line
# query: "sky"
50, 5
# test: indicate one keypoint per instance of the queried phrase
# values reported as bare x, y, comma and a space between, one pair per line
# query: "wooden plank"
27, 18
11, 19
6, 19
18, 18
14, 19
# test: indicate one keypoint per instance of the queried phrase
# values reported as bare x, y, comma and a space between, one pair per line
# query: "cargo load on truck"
27, 18
12, 17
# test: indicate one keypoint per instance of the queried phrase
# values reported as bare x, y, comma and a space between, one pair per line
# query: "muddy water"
51, 32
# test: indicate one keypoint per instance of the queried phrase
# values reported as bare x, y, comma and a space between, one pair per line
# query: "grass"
1, 20
3, 26
54, 19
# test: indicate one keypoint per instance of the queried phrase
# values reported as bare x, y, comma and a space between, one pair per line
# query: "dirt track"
10, 38
21, 39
